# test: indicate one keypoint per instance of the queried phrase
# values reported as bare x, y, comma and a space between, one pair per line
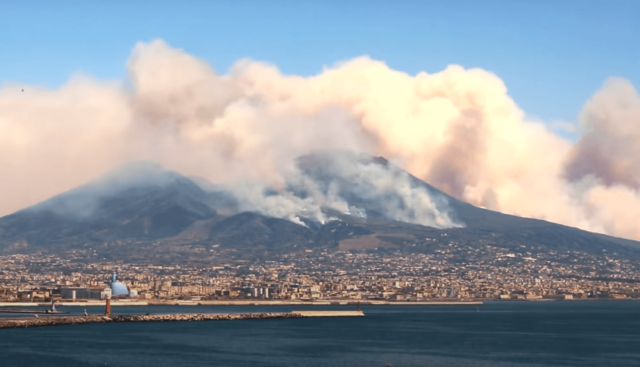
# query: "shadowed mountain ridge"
142, 204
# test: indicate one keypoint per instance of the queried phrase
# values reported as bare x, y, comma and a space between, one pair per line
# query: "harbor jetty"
101, 319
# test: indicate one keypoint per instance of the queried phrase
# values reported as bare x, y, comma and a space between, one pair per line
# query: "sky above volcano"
552, 55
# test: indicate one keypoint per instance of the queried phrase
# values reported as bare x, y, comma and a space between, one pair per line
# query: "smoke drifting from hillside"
457, 129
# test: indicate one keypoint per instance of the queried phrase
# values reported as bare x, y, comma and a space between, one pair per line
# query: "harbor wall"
95, 319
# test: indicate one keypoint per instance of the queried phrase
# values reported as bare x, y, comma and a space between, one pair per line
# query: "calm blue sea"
596, 333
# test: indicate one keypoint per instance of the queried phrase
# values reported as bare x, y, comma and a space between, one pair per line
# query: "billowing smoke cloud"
357, 184
610, 146
457, 129
606, 160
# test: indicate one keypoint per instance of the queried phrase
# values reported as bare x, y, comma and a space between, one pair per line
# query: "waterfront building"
74, 293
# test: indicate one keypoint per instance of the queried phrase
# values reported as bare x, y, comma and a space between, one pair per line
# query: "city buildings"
451, 273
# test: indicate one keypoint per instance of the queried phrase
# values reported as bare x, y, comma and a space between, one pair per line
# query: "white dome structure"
117, 288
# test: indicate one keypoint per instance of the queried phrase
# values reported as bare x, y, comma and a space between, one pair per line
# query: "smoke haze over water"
457, 129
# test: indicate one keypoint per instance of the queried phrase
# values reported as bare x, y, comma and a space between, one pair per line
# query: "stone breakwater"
78, 320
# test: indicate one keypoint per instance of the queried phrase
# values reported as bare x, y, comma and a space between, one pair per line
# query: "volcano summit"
337, 201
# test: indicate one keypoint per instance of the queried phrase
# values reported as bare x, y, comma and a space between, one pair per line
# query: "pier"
79, 320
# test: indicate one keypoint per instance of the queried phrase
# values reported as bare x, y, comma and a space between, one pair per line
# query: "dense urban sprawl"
452, 272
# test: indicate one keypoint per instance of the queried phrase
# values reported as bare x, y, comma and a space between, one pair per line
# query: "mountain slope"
139, 201
142, 205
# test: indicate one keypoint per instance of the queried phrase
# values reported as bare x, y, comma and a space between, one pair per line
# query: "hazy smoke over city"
457, 129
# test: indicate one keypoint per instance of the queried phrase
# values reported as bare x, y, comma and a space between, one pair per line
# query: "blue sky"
552, 55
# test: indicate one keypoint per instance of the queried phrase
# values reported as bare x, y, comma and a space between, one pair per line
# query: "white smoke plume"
457, 129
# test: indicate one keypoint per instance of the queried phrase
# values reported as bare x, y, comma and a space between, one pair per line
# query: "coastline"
116, 303
239, 303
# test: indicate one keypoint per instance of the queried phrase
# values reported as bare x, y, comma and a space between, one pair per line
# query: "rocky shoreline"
79, 320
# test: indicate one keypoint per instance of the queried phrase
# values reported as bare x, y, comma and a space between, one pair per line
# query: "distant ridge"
141, 205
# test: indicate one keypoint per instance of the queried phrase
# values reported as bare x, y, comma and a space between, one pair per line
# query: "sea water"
567, 333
